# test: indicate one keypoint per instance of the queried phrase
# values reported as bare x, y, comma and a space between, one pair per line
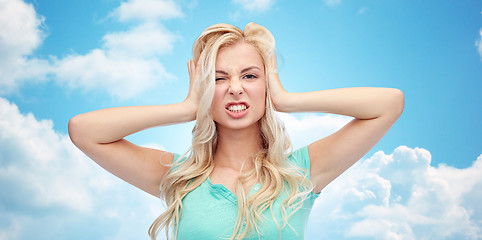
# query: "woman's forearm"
112, 124
359, 102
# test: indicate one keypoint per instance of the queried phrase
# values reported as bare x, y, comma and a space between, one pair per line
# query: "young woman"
240, 179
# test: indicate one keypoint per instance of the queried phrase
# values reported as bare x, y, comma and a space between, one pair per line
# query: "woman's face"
240, 92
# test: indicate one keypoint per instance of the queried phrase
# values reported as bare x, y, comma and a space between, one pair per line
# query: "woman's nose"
235, 87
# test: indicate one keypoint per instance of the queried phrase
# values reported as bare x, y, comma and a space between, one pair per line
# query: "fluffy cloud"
125, 65
478, 44
308, 128
20, 34
391, 196
29, 148
254, 5
400, 196
145, 40
50, 189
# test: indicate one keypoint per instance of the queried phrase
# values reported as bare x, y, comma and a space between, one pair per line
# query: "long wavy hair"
271, 168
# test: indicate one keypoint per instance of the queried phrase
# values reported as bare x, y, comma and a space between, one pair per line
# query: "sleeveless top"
210, 210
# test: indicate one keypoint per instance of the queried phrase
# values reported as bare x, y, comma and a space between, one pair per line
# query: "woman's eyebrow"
222, 72
250, 68
243, 71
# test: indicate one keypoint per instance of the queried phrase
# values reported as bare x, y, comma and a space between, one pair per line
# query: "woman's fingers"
277, 92
193, 69
190, 68
193, 75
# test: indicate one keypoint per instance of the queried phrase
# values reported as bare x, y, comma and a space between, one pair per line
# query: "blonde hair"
271, 168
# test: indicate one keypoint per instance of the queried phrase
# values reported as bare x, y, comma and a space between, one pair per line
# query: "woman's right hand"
192, 98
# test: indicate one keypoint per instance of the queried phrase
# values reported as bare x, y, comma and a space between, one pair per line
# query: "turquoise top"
210, 210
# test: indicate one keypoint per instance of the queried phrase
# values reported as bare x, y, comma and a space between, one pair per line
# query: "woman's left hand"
277, 93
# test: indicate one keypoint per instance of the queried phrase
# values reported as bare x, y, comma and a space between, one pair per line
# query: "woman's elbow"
394, 102
397, 101
75, 130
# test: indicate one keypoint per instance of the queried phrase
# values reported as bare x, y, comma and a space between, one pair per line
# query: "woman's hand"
279, 96
192, 96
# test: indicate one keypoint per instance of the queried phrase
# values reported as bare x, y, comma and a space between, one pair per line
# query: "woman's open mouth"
237, 110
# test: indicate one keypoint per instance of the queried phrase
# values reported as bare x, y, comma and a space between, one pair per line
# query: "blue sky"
62, 58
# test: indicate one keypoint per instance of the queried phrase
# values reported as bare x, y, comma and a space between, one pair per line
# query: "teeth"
237, 108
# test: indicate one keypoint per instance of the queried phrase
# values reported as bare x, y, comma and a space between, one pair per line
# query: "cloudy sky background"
62, 58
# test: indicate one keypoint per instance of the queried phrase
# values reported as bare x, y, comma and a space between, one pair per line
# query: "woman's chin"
237, 124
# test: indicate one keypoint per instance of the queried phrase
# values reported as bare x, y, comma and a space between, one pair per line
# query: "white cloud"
19, 28
47, 182
126, 65
147, 10
145, 40
332, 2
122, 77
255, 5
33, 155
400, 196
478, 44
308, 128
20, 34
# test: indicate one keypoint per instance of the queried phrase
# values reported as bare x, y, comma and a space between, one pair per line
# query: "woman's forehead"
239, 55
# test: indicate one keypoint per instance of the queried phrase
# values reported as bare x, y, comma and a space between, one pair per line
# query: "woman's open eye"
250, 76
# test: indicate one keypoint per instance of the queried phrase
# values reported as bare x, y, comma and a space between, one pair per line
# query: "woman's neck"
237, 148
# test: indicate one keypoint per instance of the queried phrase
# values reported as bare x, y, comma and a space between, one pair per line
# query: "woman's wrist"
282, 101
189, 109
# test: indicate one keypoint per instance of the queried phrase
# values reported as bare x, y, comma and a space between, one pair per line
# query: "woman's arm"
375, 110
100, 135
